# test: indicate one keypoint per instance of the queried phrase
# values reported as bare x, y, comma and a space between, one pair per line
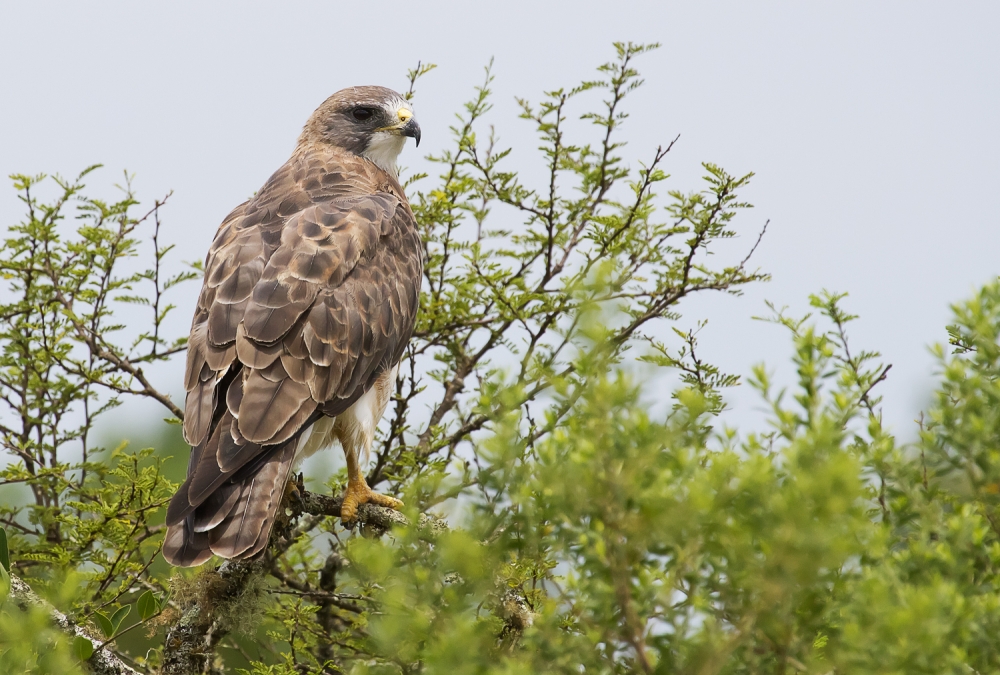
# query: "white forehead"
397, 103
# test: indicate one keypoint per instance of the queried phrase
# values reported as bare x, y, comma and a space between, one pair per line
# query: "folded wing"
304, 304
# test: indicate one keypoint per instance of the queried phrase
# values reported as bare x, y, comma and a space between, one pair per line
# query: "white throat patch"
383, 149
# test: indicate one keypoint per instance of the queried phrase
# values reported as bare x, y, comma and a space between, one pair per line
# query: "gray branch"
189, 647
103, 662
372, 519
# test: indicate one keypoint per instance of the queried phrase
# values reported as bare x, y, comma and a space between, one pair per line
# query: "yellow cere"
404, 114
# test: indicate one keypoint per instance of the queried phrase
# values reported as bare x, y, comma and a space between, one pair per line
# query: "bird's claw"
359, 493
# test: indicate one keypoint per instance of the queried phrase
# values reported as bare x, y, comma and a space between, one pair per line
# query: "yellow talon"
359, 493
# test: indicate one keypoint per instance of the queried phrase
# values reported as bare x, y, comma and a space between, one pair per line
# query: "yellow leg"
359, 493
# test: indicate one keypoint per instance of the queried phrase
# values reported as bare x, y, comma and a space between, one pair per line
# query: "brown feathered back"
310, 293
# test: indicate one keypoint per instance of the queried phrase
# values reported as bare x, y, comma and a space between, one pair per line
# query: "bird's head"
373, 122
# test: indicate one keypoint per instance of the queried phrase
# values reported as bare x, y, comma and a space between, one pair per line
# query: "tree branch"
103, 662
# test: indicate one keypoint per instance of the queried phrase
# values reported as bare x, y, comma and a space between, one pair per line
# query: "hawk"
309, 298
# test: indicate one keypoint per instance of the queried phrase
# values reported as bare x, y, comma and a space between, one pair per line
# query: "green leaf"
104, 623
83, 648
147, 605
4, 553
4, 584
119, 616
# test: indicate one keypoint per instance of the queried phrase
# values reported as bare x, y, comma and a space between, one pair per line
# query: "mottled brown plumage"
309, 298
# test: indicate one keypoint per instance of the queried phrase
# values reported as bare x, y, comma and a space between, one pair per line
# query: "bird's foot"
295, 488
359, 493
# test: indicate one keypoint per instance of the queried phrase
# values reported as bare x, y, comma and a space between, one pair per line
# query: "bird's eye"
362, 114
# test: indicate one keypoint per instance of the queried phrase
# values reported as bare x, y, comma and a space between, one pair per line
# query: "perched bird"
309, 298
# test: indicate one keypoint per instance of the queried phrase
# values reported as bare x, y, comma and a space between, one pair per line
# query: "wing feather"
271, 399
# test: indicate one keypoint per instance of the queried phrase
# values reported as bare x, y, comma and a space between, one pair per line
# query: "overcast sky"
872, 127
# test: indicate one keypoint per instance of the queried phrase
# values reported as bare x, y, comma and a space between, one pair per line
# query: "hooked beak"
411, 129
408, 124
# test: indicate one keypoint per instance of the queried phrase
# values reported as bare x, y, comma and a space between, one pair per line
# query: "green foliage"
559, 523
4, 551
4, 568
147, 605
30, 642
626, 544
109, 625
83, 648
30, 645
87, 508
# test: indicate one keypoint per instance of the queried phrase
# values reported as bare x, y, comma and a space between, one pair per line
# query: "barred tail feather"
229, 514
249, 521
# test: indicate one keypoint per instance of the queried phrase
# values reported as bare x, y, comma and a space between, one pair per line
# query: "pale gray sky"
872, 127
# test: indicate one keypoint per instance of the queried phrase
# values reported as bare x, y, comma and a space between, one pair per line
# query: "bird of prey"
309, 298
